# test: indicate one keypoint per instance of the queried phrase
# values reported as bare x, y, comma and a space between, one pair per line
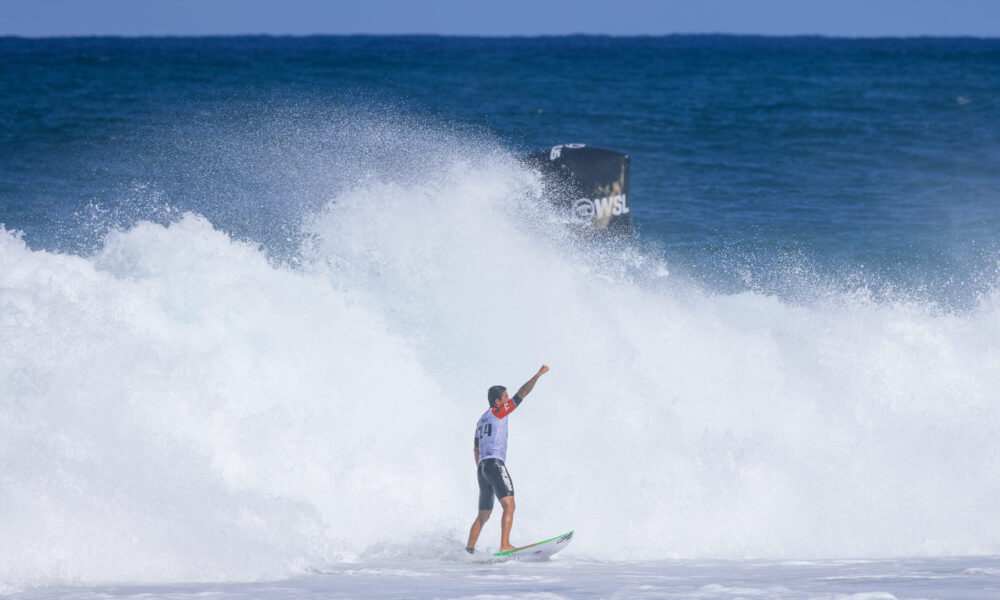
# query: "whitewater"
181, 405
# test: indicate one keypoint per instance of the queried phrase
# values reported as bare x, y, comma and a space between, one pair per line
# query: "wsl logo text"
586, 209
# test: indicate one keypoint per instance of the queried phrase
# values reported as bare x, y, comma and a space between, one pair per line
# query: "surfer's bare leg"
477, 527
507, 502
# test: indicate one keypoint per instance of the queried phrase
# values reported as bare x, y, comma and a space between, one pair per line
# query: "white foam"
178, 407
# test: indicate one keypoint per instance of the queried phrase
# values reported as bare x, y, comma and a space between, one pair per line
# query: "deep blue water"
873, 161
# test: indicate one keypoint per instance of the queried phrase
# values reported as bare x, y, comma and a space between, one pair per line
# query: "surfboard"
539, 550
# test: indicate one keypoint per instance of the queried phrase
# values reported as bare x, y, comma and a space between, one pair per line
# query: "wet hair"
495, 393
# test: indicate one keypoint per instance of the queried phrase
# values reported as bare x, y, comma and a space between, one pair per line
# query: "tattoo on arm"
528, 386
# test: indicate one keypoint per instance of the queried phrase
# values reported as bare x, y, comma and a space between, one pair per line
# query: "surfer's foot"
470, 550
507, 548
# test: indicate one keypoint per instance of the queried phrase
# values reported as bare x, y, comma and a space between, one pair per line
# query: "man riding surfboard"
490, 450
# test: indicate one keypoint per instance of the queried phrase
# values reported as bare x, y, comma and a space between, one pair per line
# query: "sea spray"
178, 406
684, 423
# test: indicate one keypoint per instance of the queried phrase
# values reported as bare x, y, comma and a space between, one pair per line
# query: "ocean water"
252, 291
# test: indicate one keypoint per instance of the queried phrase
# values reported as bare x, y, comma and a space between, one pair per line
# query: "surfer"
490, 450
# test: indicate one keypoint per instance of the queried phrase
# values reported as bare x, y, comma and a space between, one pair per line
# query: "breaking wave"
179, 405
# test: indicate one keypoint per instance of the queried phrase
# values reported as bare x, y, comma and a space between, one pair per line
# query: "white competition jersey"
491, 430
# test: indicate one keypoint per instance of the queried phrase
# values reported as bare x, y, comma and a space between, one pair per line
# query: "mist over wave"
181, 406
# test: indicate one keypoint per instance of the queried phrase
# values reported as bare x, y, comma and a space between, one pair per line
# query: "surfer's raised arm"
530, 384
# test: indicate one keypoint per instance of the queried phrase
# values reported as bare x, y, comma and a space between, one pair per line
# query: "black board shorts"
494, 480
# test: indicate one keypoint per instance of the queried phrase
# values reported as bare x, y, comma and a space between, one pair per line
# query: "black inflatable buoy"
592, 185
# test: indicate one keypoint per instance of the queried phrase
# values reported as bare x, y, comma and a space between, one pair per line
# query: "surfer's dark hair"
495, 393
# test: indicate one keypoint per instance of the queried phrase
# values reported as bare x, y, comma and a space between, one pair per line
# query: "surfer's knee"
484, 515
507, 502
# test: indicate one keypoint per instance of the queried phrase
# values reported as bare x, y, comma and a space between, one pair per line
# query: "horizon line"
506, 36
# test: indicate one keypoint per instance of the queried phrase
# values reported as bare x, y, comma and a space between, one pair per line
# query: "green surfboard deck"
567, 536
